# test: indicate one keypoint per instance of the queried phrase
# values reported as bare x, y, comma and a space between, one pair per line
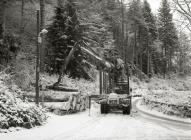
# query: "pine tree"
183, 52
137, 27
64, 32
150, 35
167, 35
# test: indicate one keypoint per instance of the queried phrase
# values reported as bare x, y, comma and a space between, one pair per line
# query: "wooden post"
37, 58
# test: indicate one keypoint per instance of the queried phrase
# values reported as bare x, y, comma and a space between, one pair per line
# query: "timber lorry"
114, 89
114, 82
115, 92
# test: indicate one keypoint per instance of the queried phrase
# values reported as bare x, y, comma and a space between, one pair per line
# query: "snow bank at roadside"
170, 96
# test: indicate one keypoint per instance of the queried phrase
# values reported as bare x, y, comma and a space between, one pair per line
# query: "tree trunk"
165, 61
170, 61
22, 22
64, 66
148, 61
2, 18
22, 17
134, 46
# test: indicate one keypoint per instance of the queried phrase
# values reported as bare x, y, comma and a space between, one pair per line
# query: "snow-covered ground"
113, 126
171, 95
161, 115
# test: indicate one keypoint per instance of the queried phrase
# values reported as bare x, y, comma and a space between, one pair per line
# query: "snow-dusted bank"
97, 126
169, 96
143, 108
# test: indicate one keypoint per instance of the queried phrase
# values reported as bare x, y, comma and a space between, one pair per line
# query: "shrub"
15, 112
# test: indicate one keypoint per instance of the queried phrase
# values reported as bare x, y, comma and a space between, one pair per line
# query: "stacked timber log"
61, 99
69, 101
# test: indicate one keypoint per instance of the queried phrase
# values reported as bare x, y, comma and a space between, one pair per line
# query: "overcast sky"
154, 5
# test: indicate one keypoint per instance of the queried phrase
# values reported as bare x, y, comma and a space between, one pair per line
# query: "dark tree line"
150, 44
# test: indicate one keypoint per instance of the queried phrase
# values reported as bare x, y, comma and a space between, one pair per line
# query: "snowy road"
113, 126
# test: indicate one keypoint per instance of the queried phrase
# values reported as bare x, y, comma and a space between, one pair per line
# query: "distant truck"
114, 81
115, 91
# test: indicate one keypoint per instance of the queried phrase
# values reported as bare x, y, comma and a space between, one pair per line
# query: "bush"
15, 112
10, 46
24, 72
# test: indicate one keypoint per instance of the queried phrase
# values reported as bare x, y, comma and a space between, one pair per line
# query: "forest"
150, 43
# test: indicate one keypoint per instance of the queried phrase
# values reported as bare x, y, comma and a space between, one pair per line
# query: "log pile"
68, 100
75, 103
61, 99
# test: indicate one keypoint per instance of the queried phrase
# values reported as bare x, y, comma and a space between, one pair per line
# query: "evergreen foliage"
9, 47
106, 26
151, 35
64, 32
167, 35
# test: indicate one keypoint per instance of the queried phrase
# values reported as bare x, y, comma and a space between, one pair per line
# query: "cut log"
62, 88
61, 102
52, 96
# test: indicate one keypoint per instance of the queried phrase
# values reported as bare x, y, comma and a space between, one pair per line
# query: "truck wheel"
107, 108
104, 108
127, 110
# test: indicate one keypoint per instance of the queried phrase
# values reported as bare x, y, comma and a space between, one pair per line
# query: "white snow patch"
81, 126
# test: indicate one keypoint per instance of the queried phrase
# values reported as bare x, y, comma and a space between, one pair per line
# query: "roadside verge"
159, 115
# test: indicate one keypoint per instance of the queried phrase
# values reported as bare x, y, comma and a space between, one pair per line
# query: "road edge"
159, 115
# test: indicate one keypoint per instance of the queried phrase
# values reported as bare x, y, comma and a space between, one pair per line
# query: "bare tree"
183, 7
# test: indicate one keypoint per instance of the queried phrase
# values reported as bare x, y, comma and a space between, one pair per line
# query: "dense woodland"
149, 43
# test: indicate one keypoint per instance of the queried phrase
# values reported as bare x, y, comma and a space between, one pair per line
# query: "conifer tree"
150, 35
137, 26
167, 35
64, 33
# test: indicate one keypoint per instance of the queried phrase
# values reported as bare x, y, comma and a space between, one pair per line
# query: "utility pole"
122, 28
42, 24
37, 58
